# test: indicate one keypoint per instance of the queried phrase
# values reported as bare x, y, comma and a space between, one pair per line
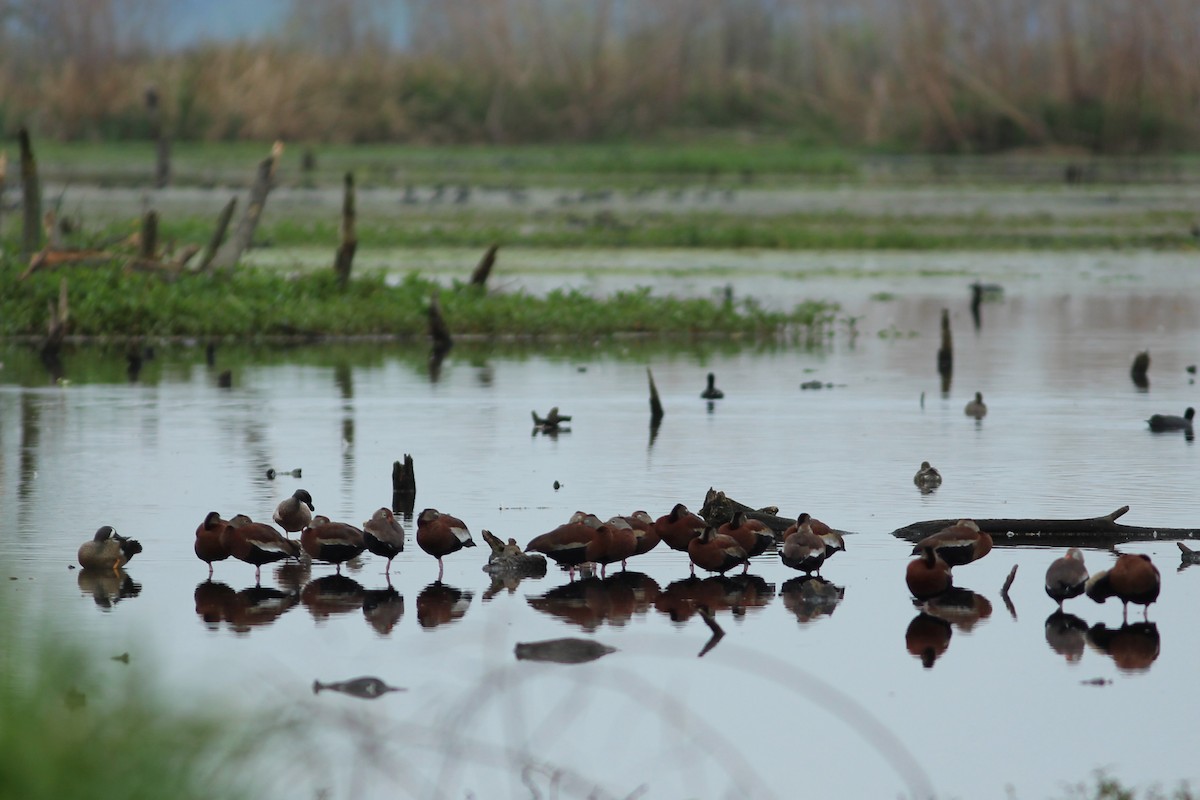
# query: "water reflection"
1132, 647
383, 609
332, 594
592, 602
810, 597
927, 638
440, 604
738, 594
106, 587
962, 608
252, 607
1066, 634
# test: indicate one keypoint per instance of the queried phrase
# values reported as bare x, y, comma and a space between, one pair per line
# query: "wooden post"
56, 331
1140, 369
227, 257
162, 147
218, 237
31, 197
484, 269
344, 259
3, 178
404, 486
148, 246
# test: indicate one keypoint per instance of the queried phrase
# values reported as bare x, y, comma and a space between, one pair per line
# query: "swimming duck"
257, 543
976, 407
957, 544
1132, 579
210, 540
295, 513
927, 478
1170, 422
440, 535
928, 576
803, 549
715, 552
711, 392
1066, 577
384, 536
332, 542
107, 550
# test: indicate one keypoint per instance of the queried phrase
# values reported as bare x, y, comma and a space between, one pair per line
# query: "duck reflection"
383, 609
212, 601
811, 596
106, 587
1132, 647
440, 604
681, 599
1066, 634
258, 606
332, 594
292, 575
593, 601
927, 638
962, 608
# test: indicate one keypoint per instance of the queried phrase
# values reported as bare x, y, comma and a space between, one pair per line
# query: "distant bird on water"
711, 392
1066, 577
976, 407
927, 478
1169, 422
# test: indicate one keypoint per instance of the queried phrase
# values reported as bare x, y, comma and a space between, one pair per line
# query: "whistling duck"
715, 552
210, 540
440, 604
1133, 648
679, 527
1066, 577
803, 549
1133, 579
711, 392
958, 544
107, 550
976, 407
751, 535
332, 542
614, 541
567, 544
440, 535
644, 530
384, 536
295, 513
257, 543
928, 576
1170, 422
927, 478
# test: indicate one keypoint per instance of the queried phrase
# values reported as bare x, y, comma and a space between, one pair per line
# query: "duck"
1132, 579
332, 542
958, 544
1066, 577
257, 543
1169, 422
803, 549
440, 535
615, 541
679, 527
644, 531
567, 545
715, 552
711, 392
751, 535
294, 513
834, 543
927, 478
928, 576
976, 407
210, 540
107, 549
384, 536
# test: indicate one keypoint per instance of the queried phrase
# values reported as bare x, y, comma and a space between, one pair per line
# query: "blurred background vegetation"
932, 76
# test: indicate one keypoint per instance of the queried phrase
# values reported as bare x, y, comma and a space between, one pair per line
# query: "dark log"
1187, 555
229, 254
404, 486
1102, 531
719, 509
439, 331
218, 237
31, 197
945, 355
484, 269
656, 407
718, 632
508, 559
344, 259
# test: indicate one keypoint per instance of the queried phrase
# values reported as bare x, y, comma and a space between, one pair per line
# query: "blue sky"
190, 21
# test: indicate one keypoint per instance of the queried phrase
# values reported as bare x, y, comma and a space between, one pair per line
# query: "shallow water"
1065, 436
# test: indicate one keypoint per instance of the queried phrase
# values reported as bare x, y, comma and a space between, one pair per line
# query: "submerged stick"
344, 259
1008, 582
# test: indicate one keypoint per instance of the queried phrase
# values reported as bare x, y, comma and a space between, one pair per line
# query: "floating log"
1187, 555
227, 257
404, 486
31, 197
509, 560
1094, 531
344, 259
484, 269
719, 509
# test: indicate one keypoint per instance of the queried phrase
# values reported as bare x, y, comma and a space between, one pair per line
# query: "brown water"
797, 696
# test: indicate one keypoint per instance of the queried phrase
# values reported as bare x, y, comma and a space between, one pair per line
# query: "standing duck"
644, 531
440, 535
834, 543
715, 552
107, 550
384, 536
332, 542
958, 544
295, 513
1133, 579
976, 407
615, 541
210, 540
567, 544
803, 549
1066, 577
679, 527
751, 535
257, 543
927, 478
928, 576
1169, 422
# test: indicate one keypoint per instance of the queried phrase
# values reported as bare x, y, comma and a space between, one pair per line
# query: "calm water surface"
796, 694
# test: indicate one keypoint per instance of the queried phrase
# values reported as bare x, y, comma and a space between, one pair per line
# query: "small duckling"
107, 550
927, 478
976, 407
712, 392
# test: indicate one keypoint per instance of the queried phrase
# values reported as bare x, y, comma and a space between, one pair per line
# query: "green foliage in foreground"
68, 729
107, 301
